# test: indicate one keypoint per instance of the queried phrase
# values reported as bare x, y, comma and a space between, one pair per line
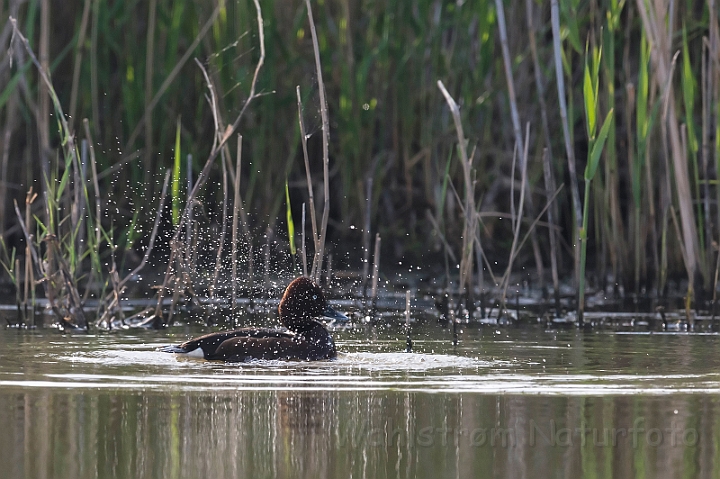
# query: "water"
506, 402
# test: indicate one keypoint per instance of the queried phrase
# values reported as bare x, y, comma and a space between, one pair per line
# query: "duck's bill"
332, 314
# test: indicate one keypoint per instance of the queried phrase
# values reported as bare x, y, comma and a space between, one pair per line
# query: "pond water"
506, 402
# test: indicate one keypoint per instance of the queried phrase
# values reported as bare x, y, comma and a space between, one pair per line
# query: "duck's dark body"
305, 339
246, 344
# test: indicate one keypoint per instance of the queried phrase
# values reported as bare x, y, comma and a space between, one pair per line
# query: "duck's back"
257, 343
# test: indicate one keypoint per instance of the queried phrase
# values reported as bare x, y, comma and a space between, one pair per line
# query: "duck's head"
302, 302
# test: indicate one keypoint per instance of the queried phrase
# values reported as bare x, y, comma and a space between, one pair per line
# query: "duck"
303, 338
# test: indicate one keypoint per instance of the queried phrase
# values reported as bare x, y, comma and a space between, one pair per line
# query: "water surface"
506, 402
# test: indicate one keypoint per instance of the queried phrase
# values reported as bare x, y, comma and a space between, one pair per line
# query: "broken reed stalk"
366, 235
21, 305
29, 272
375, 276
470, 223
234, 230
551, 214
408, 339
320, 251
517, 129
569, 149
308, 175
517, 219
205, 172
654, 24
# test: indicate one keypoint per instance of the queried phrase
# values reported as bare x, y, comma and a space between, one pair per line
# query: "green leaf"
597, 147
290, 222
589, 98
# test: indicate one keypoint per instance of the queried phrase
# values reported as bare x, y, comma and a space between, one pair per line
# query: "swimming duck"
306, 338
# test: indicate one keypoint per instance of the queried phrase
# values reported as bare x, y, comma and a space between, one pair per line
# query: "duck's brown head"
302, 302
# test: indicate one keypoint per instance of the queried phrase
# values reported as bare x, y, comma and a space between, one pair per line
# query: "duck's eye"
314, 296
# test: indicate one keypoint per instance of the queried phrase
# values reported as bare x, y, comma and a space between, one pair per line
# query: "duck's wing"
206, 346
312, 345
245, 348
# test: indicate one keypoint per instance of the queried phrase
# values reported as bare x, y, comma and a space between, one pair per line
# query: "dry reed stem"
660, 55
311, 194
205, 172
303, 253
569, 150
320, 251
43, 112
234, 229
366, 234
549, 187
470, 225
217, 122
518, 219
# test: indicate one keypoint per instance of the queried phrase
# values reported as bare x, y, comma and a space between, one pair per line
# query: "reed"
320, 251
596, 143
386, 167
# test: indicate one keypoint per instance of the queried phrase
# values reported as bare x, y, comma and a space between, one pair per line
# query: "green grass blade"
290, 222
597, 147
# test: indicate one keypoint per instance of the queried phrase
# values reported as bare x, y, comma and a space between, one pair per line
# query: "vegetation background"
521, 86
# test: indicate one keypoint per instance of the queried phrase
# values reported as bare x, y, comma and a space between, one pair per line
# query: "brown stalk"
205, 172
320, 251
